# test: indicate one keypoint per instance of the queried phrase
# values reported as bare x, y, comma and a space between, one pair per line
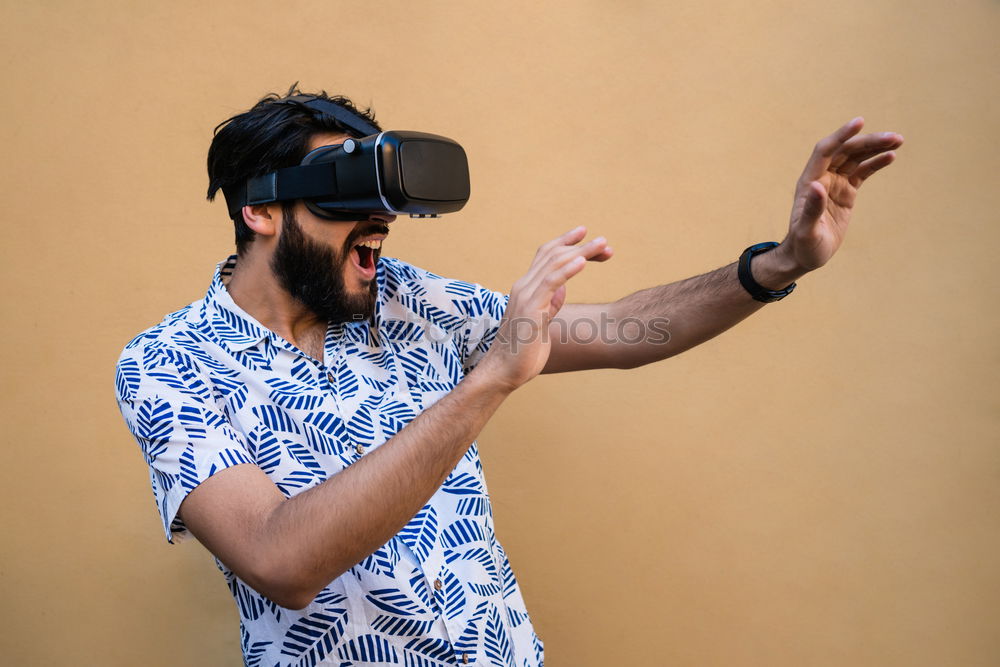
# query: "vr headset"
399, 173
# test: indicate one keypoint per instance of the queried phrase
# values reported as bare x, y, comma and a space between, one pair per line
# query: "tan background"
820, 486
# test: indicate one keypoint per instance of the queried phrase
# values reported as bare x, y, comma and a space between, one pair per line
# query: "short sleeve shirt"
210, 387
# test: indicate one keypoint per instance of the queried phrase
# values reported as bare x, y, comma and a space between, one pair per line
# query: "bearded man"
312, 420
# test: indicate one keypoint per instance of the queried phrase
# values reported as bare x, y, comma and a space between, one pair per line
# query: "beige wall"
820, 486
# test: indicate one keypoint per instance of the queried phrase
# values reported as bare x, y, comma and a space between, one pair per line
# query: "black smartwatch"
757, 291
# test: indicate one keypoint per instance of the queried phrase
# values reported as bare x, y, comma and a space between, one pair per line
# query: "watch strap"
756, 290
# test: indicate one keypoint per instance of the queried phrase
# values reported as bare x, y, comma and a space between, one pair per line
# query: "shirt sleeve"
168, 405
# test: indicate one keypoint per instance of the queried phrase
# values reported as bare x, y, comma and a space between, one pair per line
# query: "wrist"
487, 379
776, 269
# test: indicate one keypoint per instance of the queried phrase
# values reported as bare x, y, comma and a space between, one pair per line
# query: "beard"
314, 275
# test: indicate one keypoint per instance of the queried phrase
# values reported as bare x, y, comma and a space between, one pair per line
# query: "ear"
262, 218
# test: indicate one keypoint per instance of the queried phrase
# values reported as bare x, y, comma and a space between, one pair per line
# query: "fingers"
602, 256
553, 280
826, 148
572, 237
594, 250
869, 167
566, 243
555, 263
854, 157
861, 148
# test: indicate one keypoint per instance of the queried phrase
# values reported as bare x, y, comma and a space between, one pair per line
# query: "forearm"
695, 310
319, 534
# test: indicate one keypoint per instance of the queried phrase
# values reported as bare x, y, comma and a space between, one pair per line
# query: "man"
312, 420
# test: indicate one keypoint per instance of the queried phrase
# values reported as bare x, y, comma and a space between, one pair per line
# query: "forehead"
326, 139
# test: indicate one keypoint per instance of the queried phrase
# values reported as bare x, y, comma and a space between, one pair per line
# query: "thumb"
558, 299
815, 202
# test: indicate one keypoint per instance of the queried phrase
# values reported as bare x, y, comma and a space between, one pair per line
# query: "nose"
382, 217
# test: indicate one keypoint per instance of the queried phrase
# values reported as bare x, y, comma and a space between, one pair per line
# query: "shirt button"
330, 378
438, 585
465, 658
360, 449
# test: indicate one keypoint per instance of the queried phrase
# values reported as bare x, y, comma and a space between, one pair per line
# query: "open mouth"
366, 255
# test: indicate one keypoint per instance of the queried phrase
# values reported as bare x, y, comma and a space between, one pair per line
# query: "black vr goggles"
396, 172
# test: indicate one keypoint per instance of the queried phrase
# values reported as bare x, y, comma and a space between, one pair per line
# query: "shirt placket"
334, 362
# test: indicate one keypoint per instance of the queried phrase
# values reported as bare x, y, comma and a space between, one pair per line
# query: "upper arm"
196, 458
228, 513
582, 337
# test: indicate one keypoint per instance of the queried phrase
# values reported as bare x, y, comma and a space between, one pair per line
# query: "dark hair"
274, 134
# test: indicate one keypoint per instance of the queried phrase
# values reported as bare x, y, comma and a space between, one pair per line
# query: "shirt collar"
238, 330
234, 326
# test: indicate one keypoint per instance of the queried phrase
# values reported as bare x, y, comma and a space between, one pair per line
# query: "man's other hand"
522, 344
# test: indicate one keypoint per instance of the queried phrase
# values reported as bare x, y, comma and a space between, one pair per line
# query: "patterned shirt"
210, 387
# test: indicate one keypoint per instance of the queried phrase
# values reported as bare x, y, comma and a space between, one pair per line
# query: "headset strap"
345, 116
301, 182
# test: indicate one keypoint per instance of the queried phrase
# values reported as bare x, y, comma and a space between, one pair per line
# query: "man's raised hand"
826, 191
522, 344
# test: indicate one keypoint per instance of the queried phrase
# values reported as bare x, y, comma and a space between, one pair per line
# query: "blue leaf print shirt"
210, 387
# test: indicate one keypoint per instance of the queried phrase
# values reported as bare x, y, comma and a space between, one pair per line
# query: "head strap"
342, 115
270, 187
